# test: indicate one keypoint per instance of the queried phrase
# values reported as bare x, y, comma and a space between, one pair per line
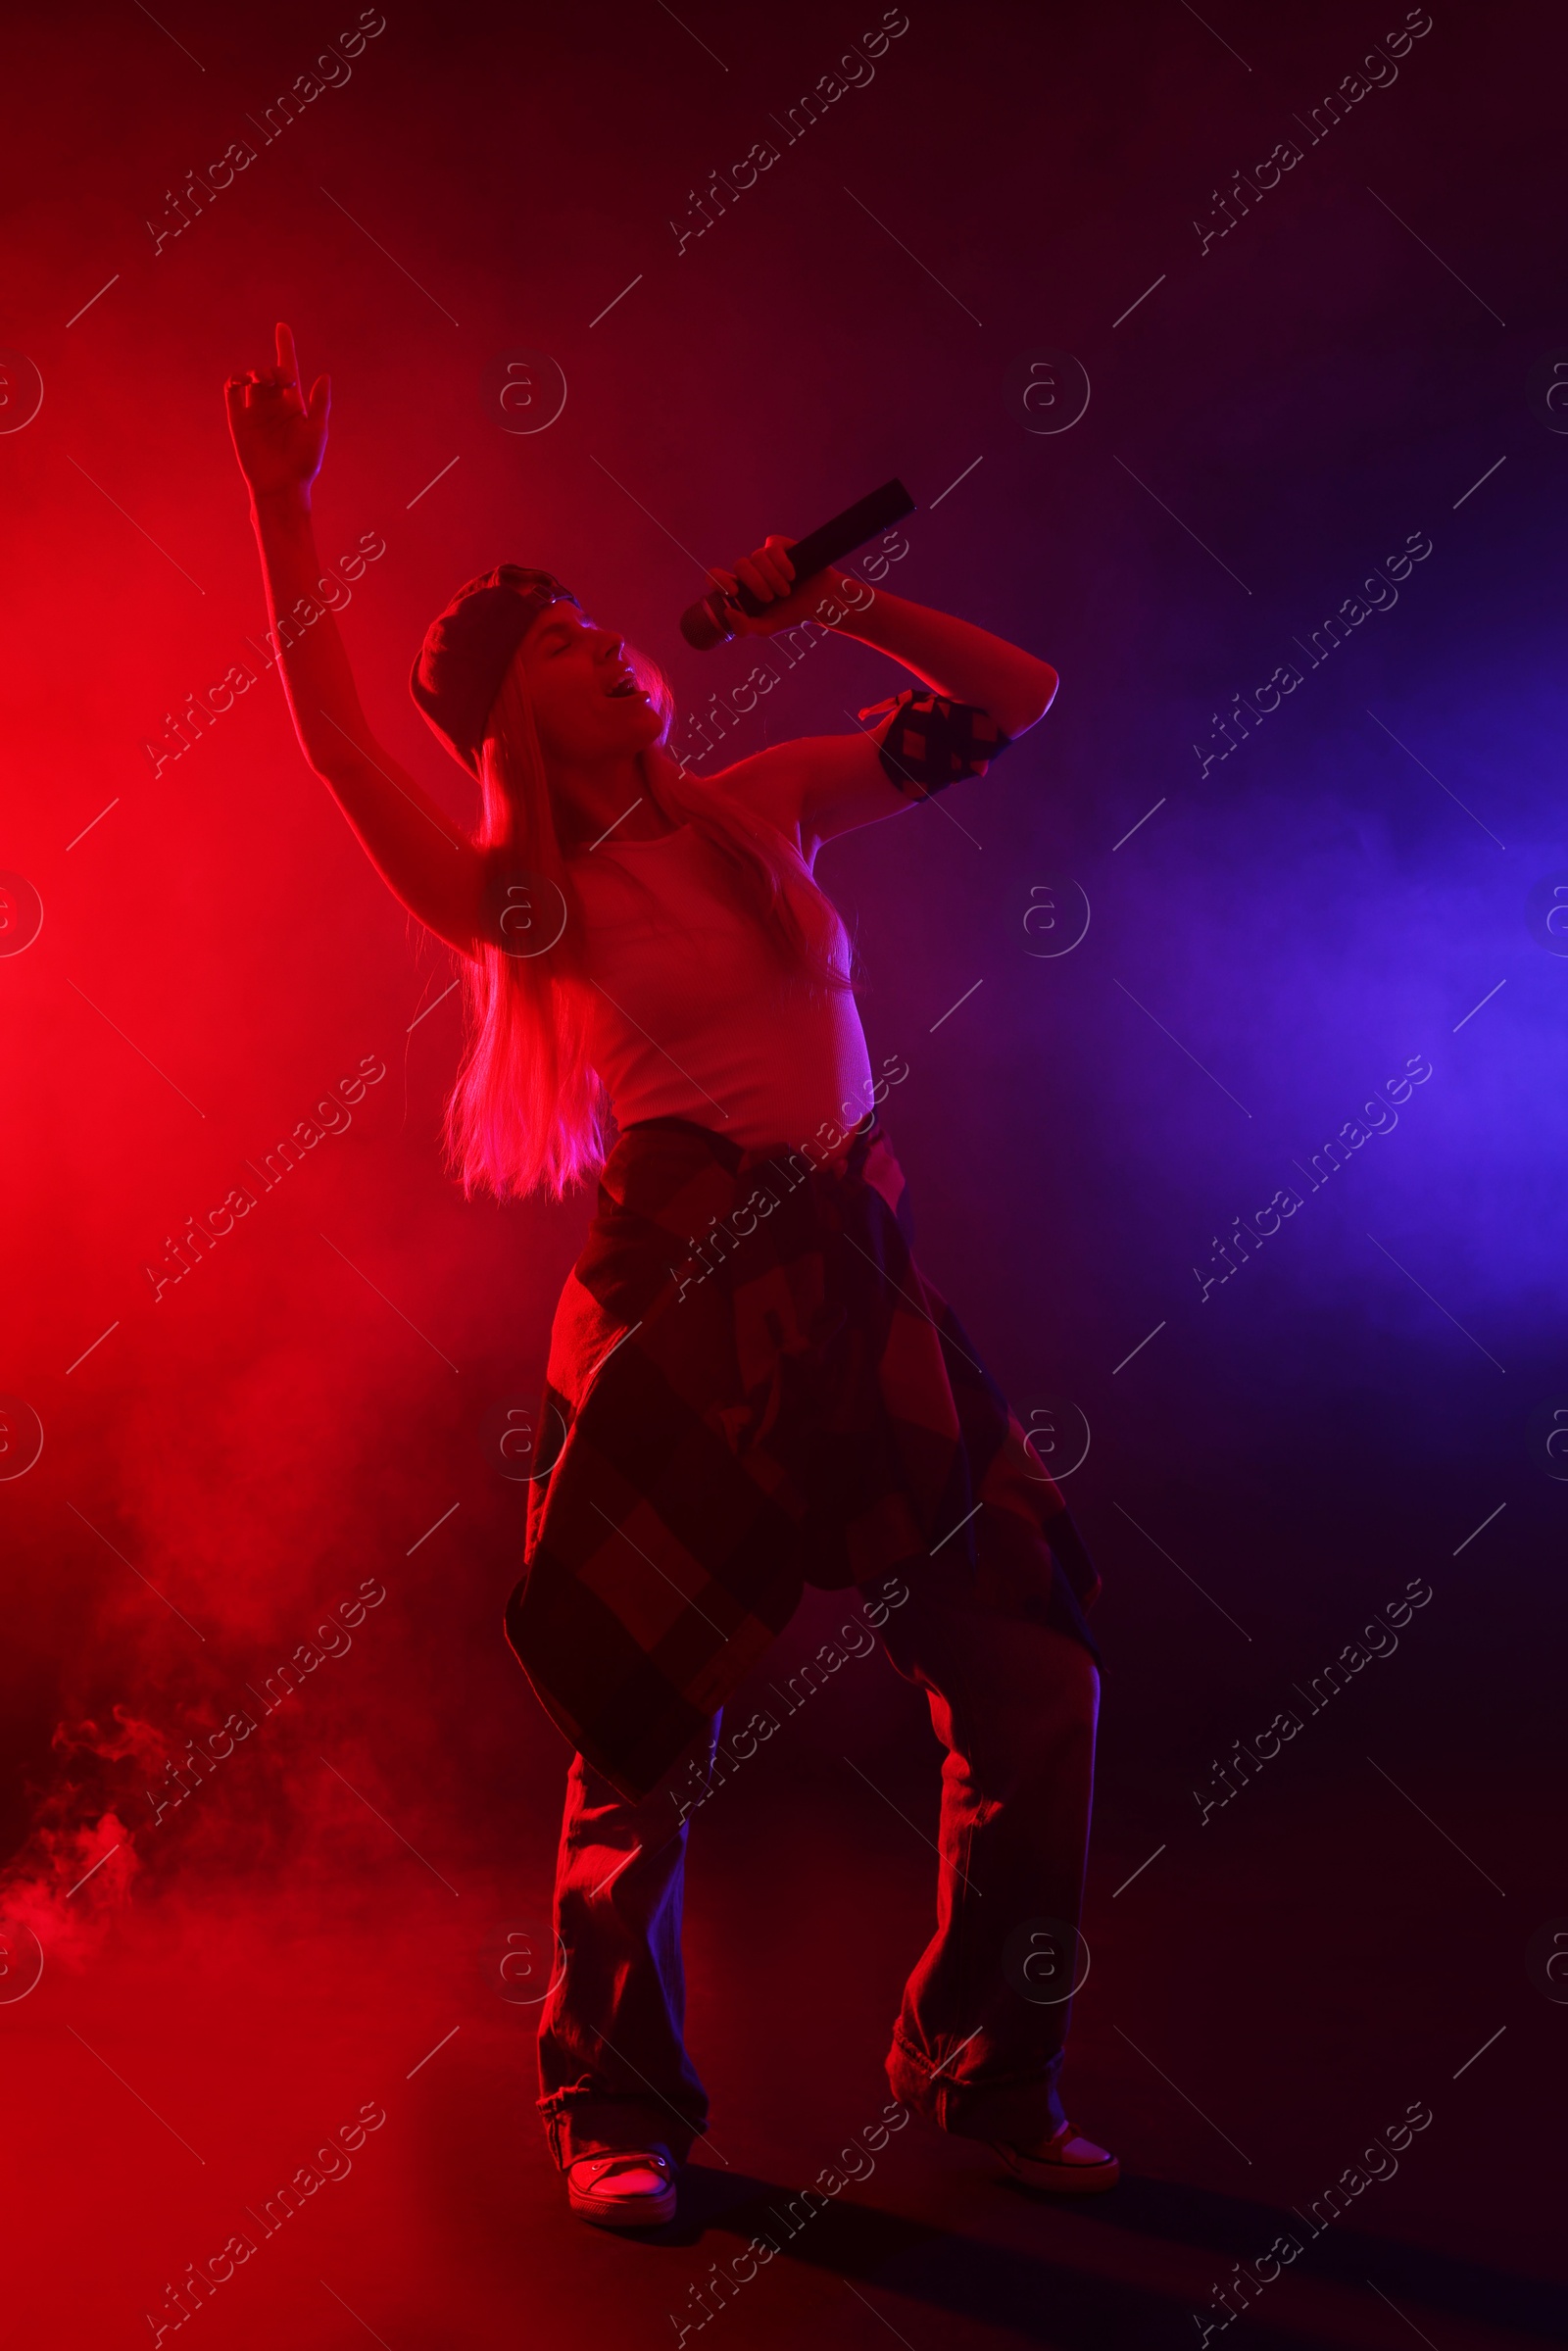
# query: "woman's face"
587, 704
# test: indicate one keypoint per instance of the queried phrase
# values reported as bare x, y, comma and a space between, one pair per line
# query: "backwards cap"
468, 648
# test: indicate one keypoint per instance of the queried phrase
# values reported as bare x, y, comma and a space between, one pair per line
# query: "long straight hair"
527, 1112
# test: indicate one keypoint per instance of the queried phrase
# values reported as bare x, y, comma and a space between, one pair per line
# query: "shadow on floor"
1082, 2310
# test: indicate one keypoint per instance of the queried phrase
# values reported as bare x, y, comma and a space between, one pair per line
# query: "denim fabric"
977, 2046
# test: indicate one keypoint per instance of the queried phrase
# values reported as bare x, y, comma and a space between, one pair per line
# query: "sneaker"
1065, 2164
634, 2189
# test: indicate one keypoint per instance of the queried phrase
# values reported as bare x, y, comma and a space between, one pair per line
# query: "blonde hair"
527, 1112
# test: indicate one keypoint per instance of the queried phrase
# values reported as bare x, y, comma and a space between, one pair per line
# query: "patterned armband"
927, 742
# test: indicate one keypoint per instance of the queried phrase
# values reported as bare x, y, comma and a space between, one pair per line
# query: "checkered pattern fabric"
928, 742
752, 1386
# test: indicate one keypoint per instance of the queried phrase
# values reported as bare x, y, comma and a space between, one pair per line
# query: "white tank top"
692, 1015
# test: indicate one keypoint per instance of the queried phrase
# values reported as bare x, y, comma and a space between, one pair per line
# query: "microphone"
707, 623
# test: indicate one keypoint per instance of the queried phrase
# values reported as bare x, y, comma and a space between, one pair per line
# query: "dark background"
1365, 1403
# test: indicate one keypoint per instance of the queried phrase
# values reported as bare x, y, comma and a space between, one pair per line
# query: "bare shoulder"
814, 787
770, 781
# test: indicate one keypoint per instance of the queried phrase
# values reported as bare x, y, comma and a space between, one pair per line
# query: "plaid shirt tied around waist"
752, 1386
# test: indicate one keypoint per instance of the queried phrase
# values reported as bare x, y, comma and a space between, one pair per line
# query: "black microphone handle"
704, 625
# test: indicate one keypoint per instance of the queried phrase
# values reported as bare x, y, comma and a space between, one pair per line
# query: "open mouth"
626, 689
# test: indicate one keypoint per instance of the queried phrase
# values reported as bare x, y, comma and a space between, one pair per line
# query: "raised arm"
836, 782
956, 658
279, 439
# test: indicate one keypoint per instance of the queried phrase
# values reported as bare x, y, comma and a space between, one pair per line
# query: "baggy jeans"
977, 2047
